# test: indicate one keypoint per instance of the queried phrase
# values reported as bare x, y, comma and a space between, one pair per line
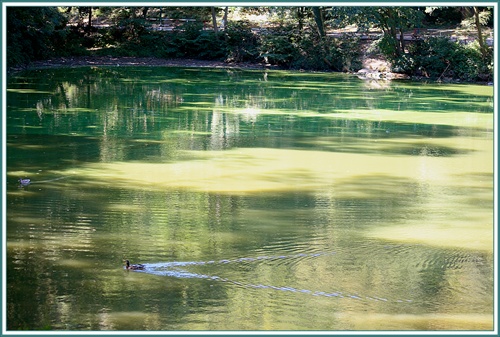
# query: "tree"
224, 18
34, 33
319, 19
395, 21
301, 14
83, 12
214, 12
476, 17
480, 37
214, 19
89, 26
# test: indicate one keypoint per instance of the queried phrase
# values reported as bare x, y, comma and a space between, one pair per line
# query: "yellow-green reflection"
302, 201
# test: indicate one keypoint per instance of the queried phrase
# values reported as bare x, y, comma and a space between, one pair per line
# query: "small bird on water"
24, 182
129, 266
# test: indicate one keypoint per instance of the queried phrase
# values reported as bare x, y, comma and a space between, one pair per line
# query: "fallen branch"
439, 78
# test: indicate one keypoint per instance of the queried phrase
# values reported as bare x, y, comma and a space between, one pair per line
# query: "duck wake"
179, 270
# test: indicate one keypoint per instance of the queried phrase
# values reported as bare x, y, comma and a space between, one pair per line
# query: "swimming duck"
24, 182
129, 266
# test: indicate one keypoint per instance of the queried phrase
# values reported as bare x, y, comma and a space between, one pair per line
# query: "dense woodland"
310, 38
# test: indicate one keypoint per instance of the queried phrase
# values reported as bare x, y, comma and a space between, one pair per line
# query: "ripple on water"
267, 270
183, 269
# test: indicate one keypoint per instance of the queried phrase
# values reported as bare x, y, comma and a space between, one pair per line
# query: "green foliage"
199, 14
289, 47
395, 21
443, 15
131, 37
241, 42
133, 30
35, 34
484, 16
387, 45
70, 43
278, 45
191, 41
344, 54
298, 38
310, 53
392, 20
210, 46
439, 57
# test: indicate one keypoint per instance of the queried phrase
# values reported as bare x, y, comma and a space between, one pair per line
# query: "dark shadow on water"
67, 238
82, 237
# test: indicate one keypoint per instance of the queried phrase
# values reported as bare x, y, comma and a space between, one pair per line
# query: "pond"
256, 200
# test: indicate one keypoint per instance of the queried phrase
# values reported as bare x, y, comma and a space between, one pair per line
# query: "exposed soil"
80, 61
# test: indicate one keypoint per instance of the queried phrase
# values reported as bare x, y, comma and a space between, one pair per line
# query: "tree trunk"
300, 17
214, 20
224, 19
480, 37
393, 31
89, 25
401, 41
318, 17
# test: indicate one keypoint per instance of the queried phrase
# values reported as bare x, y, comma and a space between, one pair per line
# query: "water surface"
257, 200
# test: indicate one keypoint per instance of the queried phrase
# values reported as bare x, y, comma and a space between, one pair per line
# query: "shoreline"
373, 68
84, 61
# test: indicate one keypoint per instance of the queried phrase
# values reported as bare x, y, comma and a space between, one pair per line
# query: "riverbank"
374, 68
81, 61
